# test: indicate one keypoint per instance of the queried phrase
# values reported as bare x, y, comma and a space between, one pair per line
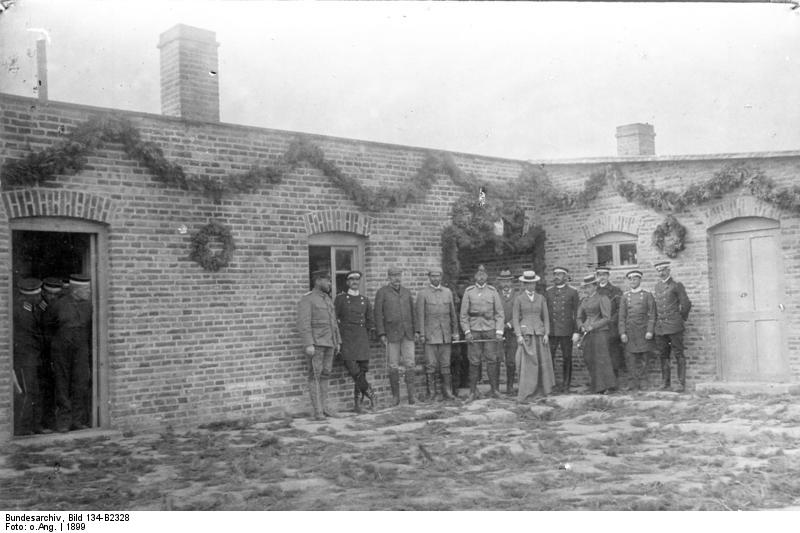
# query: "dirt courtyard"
648, 451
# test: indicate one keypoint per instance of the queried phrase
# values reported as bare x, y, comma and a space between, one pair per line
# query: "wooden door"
750, 300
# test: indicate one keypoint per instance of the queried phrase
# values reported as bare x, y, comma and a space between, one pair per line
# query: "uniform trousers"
27, 405
70, 354
437, 358
670, 343
400, 354
483, 351
565, 343
320, 364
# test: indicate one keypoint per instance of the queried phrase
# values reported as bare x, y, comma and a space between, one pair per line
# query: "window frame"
614, 239
338, 240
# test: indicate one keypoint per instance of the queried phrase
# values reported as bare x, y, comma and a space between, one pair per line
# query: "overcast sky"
520, 80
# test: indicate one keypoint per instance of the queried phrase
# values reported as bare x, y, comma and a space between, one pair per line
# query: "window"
338, 252
613, 249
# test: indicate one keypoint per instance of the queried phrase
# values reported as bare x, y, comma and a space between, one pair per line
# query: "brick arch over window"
611, 223
742, 206
58, 203
337, 220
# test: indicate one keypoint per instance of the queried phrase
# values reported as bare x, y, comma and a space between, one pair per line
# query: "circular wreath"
670, 236
202, 254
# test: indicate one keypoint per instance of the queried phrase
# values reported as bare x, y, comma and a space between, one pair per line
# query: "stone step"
748, 387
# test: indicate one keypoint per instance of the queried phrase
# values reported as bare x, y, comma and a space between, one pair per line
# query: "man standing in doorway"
319, 333
68, 322
562, 307
672, 310
637, 319
483, 322
437, 325
52, 290
28, 341
354, 315
394, 320
507, 295
613, 293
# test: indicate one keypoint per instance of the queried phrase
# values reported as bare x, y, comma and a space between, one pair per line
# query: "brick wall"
186, 345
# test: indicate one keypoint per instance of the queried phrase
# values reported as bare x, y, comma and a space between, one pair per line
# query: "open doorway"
63, 392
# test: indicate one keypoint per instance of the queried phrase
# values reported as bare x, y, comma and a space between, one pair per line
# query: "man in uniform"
637, 320
28, 340
613, 293
507, 295
354, 315
672, 310
68, 323
319, 333
437, 327
483, 320
562, 307
52, 290
394, 320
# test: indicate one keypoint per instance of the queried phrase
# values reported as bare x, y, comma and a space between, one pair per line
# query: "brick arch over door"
611, 223
337, 220
58, 203
742, 206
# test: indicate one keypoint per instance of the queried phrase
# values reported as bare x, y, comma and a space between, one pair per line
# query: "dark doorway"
54, 254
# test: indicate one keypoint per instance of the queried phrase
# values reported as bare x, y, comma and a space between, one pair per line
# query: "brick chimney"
189, 82
636, 139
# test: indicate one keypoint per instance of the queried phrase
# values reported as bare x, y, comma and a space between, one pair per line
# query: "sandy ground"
649, 451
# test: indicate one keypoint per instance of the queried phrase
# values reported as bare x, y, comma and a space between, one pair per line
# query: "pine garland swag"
201, 251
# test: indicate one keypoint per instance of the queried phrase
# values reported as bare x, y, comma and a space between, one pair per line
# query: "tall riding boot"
366, 390
427, 396
323, 399
432, 392
313, 389
665, 374
410, 385
447, 384
681, 375
493, 372
473, 383
511, 371
356, 398
394, 382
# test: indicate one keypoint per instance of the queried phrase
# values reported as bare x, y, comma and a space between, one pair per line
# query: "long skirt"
536, 368
598, 361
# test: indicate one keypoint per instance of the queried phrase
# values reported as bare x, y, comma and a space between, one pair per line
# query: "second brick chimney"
636, 139
189, 81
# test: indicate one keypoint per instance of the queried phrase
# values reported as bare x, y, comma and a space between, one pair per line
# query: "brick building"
176, 344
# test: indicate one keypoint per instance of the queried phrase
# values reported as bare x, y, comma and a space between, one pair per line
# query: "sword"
476, 341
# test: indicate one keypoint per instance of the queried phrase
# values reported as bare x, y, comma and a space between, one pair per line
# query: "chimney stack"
636, 139
189, 81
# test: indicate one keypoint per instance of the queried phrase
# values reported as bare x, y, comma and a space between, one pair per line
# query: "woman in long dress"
532, 326
594, 315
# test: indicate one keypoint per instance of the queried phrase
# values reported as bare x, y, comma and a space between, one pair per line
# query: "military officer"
52, 289
613, 293
507, 295
394, 321
672, 310
459, 361
483, 320
562, 307
28, 341
437, 326
637, 320
354, 316
68, 323
319, 334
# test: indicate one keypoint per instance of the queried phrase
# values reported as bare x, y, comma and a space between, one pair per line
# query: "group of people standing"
524, 329
52, 353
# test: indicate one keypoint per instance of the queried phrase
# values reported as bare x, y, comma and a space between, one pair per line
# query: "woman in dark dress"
594, 314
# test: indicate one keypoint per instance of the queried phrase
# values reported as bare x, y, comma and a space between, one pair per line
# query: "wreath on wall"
201, 251
669, 237
476, 225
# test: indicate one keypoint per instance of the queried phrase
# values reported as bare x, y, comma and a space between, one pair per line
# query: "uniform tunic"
637, 316
562, 306
28, 344
595, 312
510, 343
482, 309
437, 322
316, 320
672, 306
354, 316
